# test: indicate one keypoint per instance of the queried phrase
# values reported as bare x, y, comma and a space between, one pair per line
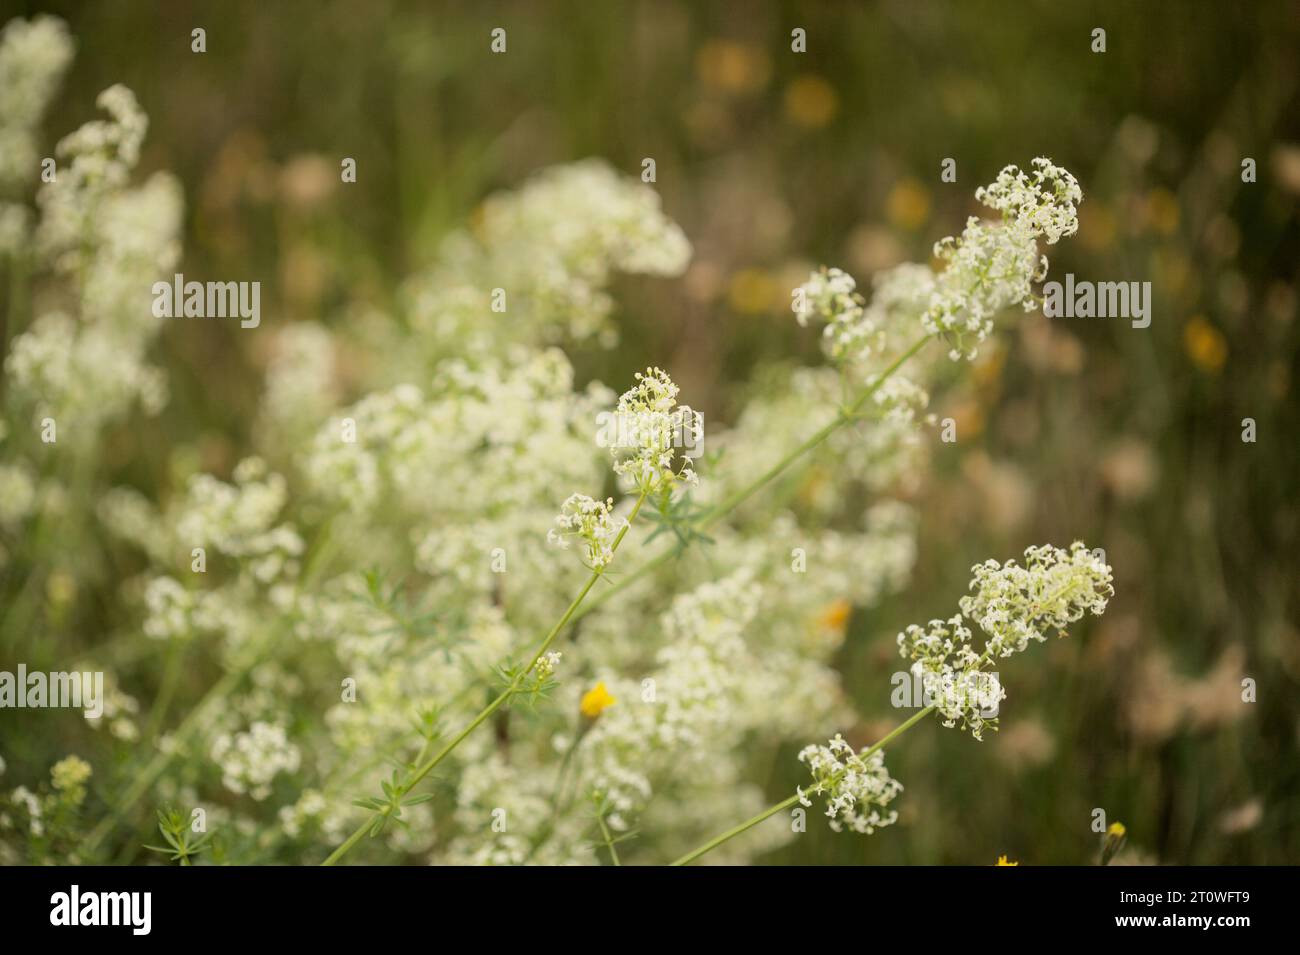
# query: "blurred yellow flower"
751, 291
732, 67
908, 205
1002, 860
1172, 270
836, 615
1204, 345
1162, 211
811, 101
1097, 226
595, 701
969, 418
1113, 842
987, 369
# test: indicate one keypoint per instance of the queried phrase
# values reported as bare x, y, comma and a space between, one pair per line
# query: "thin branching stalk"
731, 833
899, 730
423, 770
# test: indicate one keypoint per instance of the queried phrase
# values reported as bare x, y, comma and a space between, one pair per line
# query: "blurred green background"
774, 162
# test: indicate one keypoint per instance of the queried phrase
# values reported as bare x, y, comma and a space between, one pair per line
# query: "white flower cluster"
1042, 202
250, 760
98, 159
313, 809
898, 296
831, 295
785, 409
516, 418
33, 57
593, 523
85, 364
901, 400
993, 265
990, 267
17, 493
547, 665
696, 712
174, 611
578, 222
120, 710
654, 429
552, 247
1015, 604
857, 787
951, 674
301, 385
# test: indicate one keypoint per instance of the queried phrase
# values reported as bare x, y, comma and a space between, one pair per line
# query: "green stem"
497, 702
731, 833
146, 777
609, 840
166, 689
845, 415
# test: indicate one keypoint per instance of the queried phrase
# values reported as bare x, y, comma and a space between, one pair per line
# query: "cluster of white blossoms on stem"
857, 787
1054, 588
99, 157
652, 431
831, 295
593, 523
547, 665
81, 355
1013, 605
993, 265
1042, 202
951, 674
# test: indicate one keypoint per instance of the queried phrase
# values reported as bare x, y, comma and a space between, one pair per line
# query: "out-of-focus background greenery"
774, 162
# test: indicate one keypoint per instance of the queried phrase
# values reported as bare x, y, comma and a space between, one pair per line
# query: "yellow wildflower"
810, 101
908, 204
752, 291
595, 701
836, 615
1205, 345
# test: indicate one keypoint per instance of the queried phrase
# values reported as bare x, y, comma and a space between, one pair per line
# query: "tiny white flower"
857, 787
593, 523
